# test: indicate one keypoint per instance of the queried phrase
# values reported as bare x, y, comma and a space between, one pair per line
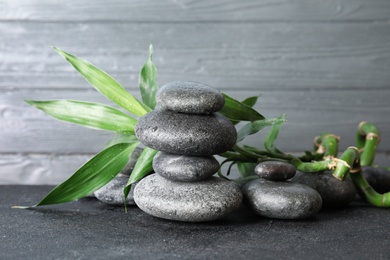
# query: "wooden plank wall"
325, 63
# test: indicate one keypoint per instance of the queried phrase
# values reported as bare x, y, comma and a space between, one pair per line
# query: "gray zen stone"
190, 97
204, 200
379, 179
282, 200
184, 168
112, 192
186, 134
130, 165
334, 193
275, 171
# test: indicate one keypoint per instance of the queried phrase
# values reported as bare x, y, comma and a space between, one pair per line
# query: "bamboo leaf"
246, 169
147, 81
91, 115
105, 84
255, 126
236, 110
272, 136
143, 167
98, 171
250, 101
122, 138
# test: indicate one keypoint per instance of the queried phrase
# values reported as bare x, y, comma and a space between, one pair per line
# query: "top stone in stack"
185, 121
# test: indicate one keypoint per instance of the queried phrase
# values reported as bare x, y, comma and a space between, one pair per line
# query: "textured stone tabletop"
88, 229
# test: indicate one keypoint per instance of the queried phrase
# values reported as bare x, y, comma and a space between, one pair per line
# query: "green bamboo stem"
373, 197
327, 144
348, 162
367, 139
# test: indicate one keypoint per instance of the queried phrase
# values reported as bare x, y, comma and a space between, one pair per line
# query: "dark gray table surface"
89, 229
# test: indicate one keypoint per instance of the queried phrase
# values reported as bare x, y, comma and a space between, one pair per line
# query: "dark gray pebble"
184, 168
282, 200
112, 192
186, 134
275, 171
334, 193
198, 201
379, 179
133, 160
189, 97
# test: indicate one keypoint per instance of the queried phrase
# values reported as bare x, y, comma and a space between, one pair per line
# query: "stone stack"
273, 196
187, 131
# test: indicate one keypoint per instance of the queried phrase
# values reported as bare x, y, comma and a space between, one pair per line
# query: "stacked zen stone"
273, 196
187, 131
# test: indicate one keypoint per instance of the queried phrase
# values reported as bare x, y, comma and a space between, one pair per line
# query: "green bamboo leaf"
236, 110
246, 169
97, 172
122, 138
255, 126
105, 84
250, 101
143, 167
147, 81
91, 115
272, 136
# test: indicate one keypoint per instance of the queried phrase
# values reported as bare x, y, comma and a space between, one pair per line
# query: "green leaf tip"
105, 84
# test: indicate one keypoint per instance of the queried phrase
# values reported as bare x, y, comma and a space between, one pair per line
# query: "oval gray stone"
205, 200
112, 192
190, 97
378, 178
184, 168
275, 171
282, 200
186, 134
334, 193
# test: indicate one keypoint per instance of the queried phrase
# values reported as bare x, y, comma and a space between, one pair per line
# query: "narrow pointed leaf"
255, 126
236, 110
91, 115
147, 81
271, 137
97, 172
122, 138
246, 169
250, 101
105, 84
143, 167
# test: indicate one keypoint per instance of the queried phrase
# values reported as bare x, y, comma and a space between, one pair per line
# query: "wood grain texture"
325, 63
195, 11
310, 113
235, 56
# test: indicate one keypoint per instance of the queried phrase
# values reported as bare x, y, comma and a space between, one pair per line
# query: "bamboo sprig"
327, 144
367, 140
349, 162
373, 197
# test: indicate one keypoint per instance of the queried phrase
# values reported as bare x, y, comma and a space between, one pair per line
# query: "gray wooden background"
325, 63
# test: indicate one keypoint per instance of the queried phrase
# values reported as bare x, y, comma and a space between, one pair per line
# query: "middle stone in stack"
187, 131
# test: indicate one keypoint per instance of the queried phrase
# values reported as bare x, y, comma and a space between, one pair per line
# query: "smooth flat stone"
205, 200
281, 200
334, 193
190, 97
379, 179
184, 168
112, 192
186, 134
275, 171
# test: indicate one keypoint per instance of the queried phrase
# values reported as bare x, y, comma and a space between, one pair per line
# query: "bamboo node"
371, 136
360, 127
355, 170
